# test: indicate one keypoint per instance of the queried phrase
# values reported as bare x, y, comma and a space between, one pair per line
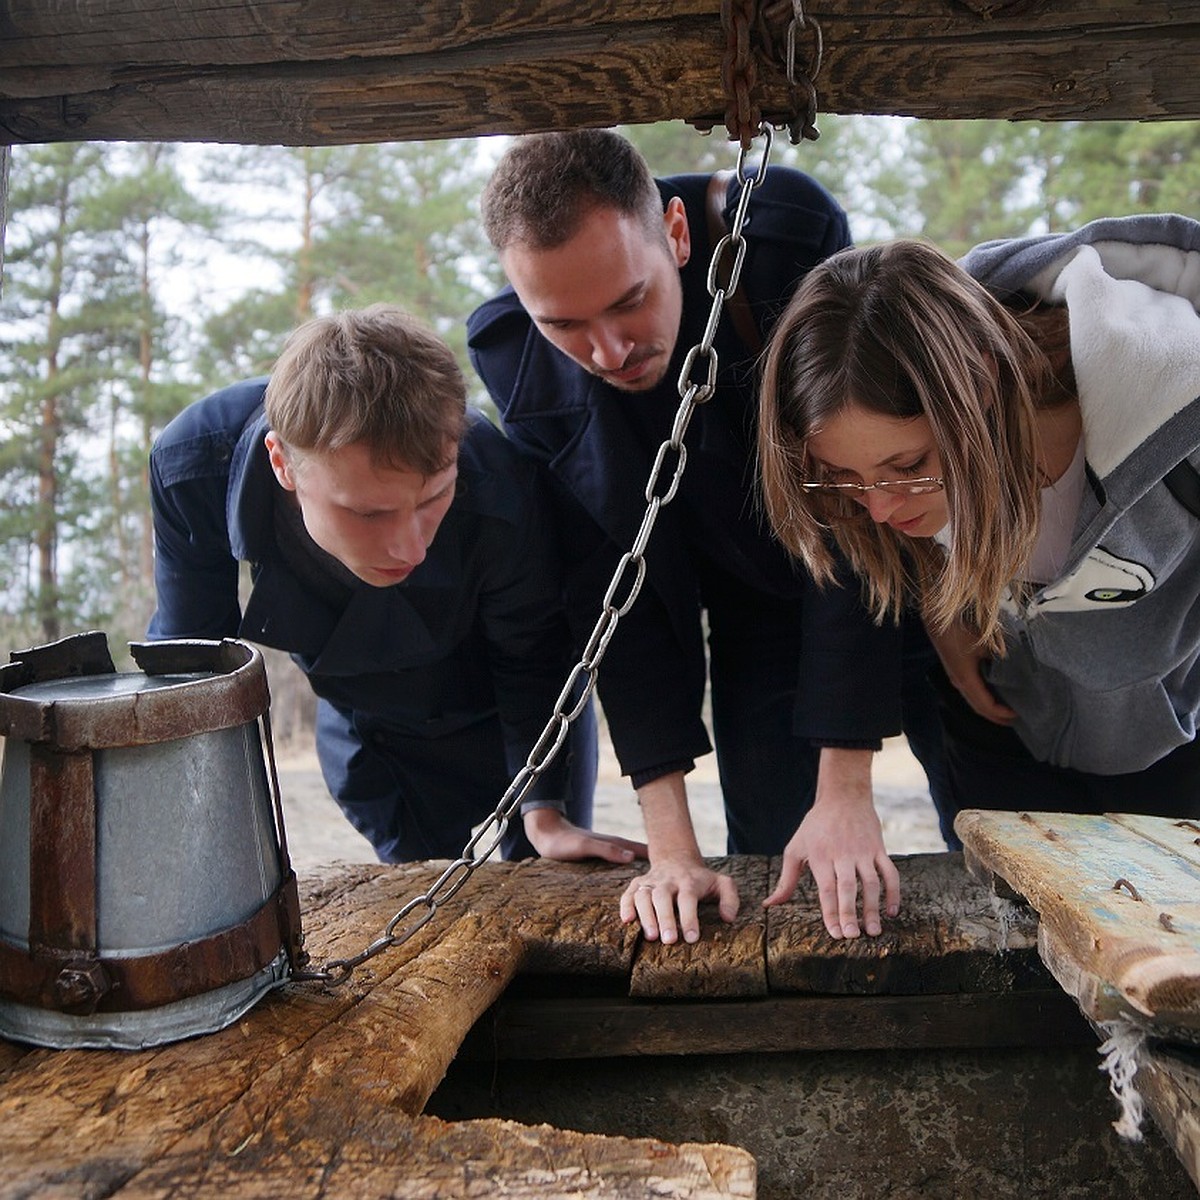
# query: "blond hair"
375, 375
902, 331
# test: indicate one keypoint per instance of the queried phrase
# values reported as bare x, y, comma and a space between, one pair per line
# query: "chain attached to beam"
767, 33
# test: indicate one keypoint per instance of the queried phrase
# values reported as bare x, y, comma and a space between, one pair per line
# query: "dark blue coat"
598, 445
476, 632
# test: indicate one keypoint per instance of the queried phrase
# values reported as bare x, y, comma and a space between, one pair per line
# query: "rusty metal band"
235, 694
62, 850
82, 983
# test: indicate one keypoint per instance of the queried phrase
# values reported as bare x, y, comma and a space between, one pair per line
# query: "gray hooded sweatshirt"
1103, 663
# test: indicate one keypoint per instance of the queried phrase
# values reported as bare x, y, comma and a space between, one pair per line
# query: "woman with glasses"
1010, 442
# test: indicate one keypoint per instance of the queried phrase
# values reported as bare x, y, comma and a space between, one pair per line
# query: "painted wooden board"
1119, 901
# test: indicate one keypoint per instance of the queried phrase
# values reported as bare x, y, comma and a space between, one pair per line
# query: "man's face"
609, 298
377, 521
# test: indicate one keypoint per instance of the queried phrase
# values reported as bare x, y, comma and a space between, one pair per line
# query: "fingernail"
692, 935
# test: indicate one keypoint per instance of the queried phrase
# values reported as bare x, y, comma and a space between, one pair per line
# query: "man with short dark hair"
398, 551
609, 272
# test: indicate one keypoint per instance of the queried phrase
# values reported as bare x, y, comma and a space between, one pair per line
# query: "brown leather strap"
83, 983
735, 301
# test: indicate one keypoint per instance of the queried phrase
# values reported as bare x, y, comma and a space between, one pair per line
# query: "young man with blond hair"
397, 550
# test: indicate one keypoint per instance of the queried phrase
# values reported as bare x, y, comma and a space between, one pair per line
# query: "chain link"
752, 29
629, 575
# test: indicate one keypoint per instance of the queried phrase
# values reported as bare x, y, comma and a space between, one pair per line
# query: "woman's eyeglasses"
892, 487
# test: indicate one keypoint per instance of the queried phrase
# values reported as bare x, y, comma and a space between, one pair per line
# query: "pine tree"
49, 364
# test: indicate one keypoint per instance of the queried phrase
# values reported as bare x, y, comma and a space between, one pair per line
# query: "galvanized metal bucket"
145, 889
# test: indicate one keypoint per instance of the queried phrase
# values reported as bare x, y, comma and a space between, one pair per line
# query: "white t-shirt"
1060, 510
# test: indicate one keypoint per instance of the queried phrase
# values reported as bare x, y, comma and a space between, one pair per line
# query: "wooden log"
567, 916
1120, 910
310, 75
728, 960
316, 1091
565, 1027
129, 1109
952, 934
383, 1154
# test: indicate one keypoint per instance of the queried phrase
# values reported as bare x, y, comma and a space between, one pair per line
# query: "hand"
666, 898
553, 836
963, 658
677, 886
840, 841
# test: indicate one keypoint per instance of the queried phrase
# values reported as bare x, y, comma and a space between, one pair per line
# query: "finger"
789, 877
870, 901
847, 899
613, 850
628, 906
891, 883
664, 911
983, 701
827, 894
643, 899
728, 900
689, 915
639, 849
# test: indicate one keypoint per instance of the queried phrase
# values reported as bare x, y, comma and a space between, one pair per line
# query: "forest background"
138, 277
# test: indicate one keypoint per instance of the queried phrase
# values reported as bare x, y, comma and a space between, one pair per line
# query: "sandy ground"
318, 833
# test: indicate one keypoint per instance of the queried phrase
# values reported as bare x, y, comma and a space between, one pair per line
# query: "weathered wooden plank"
316, 1091
728, 960
129, 1109
532, 1029
382, 1155
952, 934
1120, 918
307, 74
567, 916
1169, 1081
1180, 839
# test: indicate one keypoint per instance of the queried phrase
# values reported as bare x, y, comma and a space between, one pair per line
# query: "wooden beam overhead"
292, 73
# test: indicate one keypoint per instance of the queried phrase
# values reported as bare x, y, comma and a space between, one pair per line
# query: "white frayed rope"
1121, 1054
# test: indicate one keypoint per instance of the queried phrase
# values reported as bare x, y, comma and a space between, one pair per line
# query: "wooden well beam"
320, 74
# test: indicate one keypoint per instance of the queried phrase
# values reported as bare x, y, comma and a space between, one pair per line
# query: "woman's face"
859, 446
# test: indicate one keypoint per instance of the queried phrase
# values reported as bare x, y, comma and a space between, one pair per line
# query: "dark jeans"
416, 798
991, 768
768, 774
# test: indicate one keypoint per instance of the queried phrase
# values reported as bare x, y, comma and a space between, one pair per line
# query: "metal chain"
739, 67
630, 572
803, 83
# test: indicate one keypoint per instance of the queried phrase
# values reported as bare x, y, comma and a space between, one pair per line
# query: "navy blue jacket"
476, 629
598, 444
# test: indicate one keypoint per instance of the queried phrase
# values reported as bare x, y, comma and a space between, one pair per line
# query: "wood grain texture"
532, 1028
319, 1090
952, 934
282, 73
729, 959
1169, 1080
